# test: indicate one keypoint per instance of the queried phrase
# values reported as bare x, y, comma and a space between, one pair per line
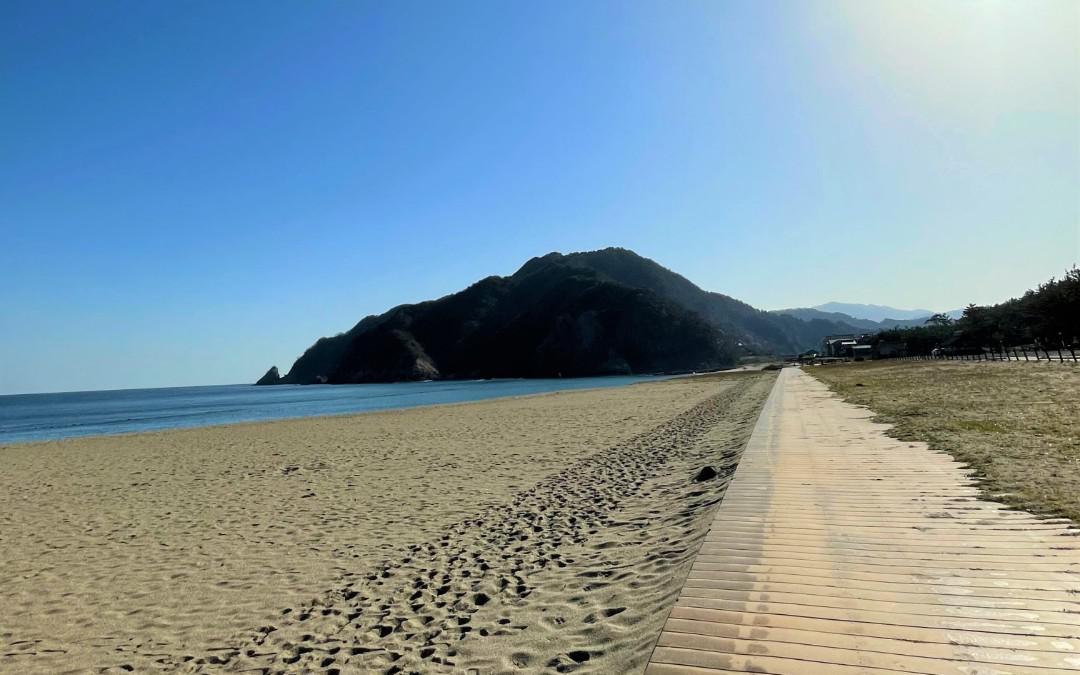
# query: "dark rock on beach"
706, 473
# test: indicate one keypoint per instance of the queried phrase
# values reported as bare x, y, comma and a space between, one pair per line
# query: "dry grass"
1016, 424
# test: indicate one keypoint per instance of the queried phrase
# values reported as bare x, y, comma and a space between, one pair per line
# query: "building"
862, 352
839, 345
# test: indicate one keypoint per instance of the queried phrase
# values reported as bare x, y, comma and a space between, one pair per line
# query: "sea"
42, 417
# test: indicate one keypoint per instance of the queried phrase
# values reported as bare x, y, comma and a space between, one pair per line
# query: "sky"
193, 191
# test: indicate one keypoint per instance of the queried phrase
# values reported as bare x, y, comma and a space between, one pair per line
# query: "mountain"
599, 312
866, 325
756, 330
877, 313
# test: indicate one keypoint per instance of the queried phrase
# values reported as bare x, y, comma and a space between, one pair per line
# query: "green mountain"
600, 312
758, 331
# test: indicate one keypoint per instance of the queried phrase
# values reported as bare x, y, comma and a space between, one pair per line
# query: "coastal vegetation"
1015, 424
1045, 317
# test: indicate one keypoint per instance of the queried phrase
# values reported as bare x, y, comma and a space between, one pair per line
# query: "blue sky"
193, 191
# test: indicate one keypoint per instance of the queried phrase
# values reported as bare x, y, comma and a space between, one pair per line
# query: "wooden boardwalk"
838, 550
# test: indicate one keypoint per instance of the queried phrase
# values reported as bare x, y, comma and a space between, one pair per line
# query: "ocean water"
38, 417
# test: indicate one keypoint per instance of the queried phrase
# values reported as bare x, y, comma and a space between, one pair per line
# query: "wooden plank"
840, 550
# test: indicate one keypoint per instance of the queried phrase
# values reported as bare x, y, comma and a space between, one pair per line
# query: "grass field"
1017, 424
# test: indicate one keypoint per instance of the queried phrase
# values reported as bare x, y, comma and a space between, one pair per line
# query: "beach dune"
546, 533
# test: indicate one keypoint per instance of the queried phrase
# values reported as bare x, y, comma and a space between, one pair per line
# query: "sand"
541, 534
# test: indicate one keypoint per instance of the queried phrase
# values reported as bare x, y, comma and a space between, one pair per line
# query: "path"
840, 551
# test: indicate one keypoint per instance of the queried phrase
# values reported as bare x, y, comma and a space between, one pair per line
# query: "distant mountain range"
599, 312
865, 317
873, 312
856, 323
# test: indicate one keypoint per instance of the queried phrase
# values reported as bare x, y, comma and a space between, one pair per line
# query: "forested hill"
600, 312
1048, 316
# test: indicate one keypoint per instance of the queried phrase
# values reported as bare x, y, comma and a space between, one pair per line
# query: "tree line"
1047, 316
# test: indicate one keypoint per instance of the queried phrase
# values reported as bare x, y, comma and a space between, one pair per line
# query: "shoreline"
339, 415
181, 543
345, 415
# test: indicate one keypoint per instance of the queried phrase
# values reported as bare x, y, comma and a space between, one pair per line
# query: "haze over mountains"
872, 312
866, 317
599, 312
856, 323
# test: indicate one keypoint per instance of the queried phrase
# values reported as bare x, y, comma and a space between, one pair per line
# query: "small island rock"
272, 376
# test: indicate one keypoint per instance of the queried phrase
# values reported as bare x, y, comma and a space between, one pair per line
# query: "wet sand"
541, 534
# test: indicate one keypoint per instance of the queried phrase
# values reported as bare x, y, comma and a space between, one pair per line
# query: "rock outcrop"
272, 376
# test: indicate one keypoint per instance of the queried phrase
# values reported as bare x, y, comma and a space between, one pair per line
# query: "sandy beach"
540, 534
